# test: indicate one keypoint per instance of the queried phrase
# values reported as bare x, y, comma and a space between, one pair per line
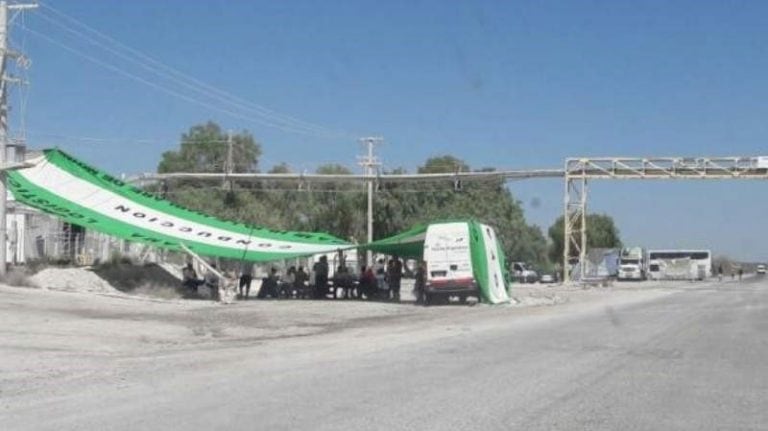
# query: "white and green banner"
65, 187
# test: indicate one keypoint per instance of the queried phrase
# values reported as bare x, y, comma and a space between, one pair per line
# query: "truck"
523, 273
633, 264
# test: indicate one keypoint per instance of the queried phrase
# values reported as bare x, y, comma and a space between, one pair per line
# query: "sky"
512, 85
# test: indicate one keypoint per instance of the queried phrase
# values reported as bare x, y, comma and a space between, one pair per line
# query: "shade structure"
485, 252
65, 187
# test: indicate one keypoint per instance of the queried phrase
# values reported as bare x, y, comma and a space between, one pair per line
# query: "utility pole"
5, 79
370, 162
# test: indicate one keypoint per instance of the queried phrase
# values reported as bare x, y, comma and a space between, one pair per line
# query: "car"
523, 274
761, 269
547, 278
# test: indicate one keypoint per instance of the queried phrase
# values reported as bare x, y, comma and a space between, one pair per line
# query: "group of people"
293, 285
381, 281
192, 284
733, 273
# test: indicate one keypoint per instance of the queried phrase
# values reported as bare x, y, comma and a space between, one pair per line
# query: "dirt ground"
53, 342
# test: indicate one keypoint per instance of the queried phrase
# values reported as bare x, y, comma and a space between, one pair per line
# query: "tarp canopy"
67, 188
409, 244
485, 252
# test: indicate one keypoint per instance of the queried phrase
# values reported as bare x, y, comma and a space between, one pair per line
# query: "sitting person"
269, 286
211, 280
367, 283
287, 283
189, 278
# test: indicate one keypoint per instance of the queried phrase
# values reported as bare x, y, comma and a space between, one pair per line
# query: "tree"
400, 206
443, 164
281, 168
204, 149
601, 233
333, 169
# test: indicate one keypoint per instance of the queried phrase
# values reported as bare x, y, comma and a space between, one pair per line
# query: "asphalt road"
695, 359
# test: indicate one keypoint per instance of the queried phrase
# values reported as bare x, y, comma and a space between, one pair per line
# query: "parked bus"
679, 264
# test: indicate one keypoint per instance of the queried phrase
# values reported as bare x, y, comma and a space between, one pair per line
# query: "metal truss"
578, 171
339, 178
667, 168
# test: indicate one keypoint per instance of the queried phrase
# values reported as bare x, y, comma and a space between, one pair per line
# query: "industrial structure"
578, 171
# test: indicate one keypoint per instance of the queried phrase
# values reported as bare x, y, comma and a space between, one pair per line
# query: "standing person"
741, 272
246, 277
381, 282
211, 280
366, 283
720, 273
321, 277
395, 275
421, 280
300, 282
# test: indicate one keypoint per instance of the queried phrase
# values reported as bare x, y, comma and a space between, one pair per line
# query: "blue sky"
504, 84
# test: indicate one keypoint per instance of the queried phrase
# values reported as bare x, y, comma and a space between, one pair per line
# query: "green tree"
281, 168
602, 233
443, 164
204, 148
400, 206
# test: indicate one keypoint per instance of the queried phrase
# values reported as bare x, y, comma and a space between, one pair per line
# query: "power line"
197, 86
155, 66
159, 87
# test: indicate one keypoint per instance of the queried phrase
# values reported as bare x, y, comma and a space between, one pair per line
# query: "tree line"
340, 208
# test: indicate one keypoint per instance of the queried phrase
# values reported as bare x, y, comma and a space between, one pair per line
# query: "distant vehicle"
547, 278
449, 263
523, 273
633, 264
761, 269
679, 264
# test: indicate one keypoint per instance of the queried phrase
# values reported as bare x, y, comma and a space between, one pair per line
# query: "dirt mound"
72, 279
146, 280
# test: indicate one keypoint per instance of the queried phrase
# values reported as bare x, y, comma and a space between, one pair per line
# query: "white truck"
449, 263
523, 273
633, 264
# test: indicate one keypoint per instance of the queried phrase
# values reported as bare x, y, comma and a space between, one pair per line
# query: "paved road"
696, 359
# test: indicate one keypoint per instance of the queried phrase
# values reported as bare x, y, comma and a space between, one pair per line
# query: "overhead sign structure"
65, 187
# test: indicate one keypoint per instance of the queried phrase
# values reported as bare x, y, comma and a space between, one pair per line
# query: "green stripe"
37, 197
479, 260
103, 180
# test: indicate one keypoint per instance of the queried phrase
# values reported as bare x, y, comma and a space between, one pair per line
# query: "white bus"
679, 264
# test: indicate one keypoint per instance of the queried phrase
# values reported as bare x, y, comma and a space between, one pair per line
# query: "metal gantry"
578, 171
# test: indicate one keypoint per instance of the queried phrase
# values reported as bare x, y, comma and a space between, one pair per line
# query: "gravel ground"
57, 344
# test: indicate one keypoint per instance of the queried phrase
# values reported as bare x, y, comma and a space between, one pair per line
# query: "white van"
449, 263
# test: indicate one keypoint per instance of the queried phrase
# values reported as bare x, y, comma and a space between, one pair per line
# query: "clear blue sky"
504, 84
